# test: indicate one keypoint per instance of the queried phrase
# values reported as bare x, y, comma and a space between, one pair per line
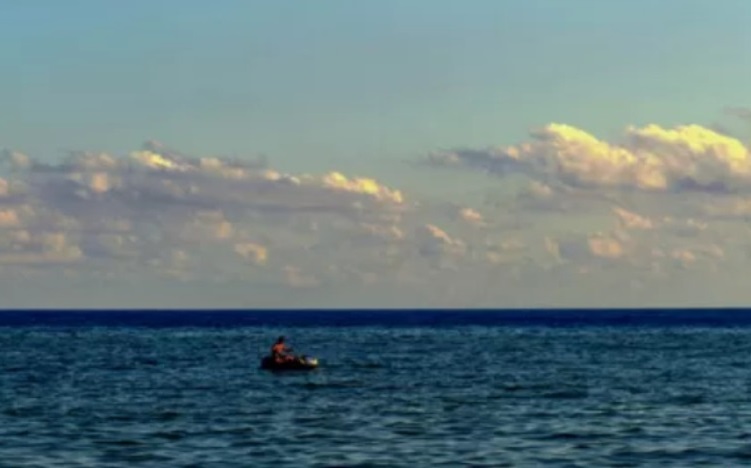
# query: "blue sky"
347, 80
370, 89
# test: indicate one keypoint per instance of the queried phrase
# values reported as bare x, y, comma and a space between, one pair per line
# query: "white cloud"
651, 158
164, 211
592, 213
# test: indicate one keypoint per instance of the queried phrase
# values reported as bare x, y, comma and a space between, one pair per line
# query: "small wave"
147, 361
330, 385
573, 436
566, 395
743, 453
663, 454
555, 399
686, 400
24, 411
367, 365
167, 416
462, 400
518, 387
632, 430
170, 435
407, 430
120, 442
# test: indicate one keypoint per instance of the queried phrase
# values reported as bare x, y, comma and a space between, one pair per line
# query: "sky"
430, 153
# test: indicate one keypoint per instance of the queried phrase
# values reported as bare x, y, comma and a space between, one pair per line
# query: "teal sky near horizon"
316, 84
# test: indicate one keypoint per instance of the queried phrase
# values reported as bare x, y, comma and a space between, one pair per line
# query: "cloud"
433, 240
630, 220
555, 198
584, 248
605, 246
21, 247
159, 210
506, 252
656, 205
254, 253
652, 158
471, 216
386, 233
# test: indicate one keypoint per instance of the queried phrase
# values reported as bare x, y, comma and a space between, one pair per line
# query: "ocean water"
415, 389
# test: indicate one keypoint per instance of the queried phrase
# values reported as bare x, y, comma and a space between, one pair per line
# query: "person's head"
280, 339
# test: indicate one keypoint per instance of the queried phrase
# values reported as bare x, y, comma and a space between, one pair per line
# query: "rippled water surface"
482, 396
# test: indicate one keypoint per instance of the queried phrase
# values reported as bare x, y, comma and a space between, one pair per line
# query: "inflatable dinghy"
300, 363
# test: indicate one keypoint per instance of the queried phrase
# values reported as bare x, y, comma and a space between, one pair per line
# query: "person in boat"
280, 352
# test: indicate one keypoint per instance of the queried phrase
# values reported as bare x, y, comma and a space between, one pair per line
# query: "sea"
395, 388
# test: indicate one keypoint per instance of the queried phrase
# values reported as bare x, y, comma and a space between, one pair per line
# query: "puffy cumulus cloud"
663, 230
537, 190
656, 204
651, 158
16, 159
549, 199
696, 256
432, 240
695, 156
22, 247
630, 220
606, 246
727, 208
9, 218
646, 256
506, 252
337, 181
471, 216
4, 188
222, 220
206, 225
252, 252
158, 210
540, 196
156, 161
148, 176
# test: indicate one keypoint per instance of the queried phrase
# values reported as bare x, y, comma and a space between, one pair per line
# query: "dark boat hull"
301, 364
